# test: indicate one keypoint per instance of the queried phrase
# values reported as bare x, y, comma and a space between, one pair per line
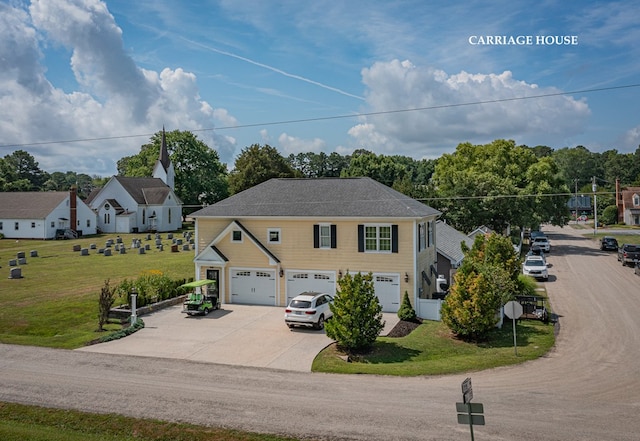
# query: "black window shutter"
334, 238
394, 238
361, 238
316, 236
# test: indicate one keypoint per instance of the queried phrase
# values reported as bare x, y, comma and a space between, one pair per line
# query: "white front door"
253, 287
387, 288
305, 281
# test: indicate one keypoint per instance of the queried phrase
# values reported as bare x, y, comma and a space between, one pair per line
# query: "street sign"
476, 420
470, 407
513, 310
467, 391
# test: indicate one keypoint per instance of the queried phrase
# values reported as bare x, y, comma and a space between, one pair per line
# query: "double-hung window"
325, 236
375, 238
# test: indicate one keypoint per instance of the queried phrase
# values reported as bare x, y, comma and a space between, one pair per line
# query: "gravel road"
585, 389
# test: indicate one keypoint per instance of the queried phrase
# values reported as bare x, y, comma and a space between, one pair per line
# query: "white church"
137, 205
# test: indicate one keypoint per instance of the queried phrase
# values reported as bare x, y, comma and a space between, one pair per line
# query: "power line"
335, 117
509, 196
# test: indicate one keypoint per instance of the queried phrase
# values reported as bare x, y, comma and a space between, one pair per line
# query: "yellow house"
271, 242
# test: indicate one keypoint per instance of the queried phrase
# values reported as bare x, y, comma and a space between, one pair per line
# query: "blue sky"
313, 76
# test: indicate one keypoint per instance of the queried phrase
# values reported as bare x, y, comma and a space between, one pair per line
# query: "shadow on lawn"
386, 352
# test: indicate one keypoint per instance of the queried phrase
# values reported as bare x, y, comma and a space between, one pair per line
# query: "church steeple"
164, 153
164, 168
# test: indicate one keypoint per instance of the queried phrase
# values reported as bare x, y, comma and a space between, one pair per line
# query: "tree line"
496, 184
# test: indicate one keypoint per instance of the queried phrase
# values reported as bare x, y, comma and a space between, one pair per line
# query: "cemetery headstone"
15, 273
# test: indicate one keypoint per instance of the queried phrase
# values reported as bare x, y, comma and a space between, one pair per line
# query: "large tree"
490, 185
19, 171
201, 178
257, 164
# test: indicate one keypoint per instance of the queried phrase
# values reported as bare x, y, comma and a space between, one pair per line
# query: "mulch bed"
404, 328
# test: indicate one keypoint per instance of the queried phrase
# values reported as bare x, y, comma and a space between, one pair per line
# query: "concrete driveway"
242, 335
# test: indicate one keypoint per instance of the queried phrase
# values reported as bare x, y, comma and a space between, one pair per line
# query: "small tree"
406, 311
488, 278
610, 215
357, 314
105, 302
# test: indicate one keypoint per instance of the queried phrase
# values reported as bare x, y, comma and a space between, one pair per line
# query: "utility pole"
595, 206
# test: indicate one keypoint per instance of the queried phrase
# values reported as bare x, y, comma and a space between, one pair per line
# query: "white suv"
535, 266
308, 309
543, 243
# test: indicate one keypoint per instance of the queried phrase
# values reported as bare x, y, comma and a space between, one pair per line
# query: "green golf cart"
203, 299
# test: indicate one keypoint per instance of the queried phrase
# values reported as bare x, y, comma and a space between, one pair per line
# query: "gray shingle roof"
448, 241
30, 204
145, 191
325, 197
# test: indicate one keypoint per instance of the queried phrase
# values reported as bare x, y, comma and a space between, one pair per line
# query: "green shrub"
139, 324
357, 314
406, 311
609, 215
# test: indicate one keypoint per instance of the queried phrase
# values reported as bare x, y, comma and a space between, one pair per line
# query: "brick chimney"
73, 215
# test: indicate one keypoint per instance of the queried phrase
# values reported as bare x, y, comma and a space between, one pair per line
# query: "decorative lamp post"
134, 295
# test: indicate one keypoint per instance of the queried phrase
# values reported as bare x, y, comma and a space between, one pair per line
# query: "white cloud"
446, 119
117, 98
290, 144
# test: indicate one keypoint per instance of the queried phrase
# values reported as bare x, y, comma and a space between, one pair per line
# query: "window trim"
233, 239
274, 230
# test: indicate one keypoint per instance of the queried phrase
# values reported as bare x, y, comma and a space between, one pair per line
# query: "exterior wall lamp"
406, 277
281, 272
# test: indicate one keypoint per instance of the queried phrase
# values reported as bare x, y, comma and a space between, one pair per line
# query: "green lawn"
20, 423
55, 304
432, 350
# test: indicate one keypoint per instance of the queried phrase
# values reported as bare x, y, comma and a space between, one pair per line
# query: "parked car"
535, 233
608, 243
629, 254
308, 309
535, 266
536, 250
543, 243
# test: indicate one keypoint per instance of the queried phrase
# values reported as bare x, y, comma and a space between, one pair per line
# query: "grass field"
20, 423
55, 304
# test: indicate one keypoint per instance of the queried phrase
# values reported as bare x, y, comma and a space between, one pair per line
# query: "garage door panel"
253, 287
302, 281
387, 289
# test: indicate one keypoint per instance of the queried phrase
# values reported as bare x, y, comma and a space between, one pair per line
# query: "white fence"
429, 309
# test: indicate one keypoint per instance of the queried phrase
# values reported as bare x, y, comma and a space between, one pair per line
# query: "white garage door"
253, 287
319, 281
387, 289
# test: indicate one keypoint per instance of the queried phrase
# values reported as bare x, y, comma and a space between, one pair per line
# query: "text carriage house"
271, 242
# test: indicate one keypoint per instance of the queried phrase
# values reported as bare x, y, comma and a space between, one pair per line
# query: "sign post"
513, 310
468, 412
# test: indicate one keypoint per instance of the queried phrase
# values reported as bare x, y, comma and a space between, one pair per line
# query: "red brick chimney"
73, 215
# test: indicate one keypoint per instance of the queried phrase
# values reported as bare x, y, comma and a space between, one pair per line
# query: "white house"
131, 204
39, 215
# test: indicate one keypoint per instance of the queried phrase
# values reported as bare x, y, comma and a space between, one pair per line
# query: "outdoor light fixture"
281, 272
406, 277
339, 274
